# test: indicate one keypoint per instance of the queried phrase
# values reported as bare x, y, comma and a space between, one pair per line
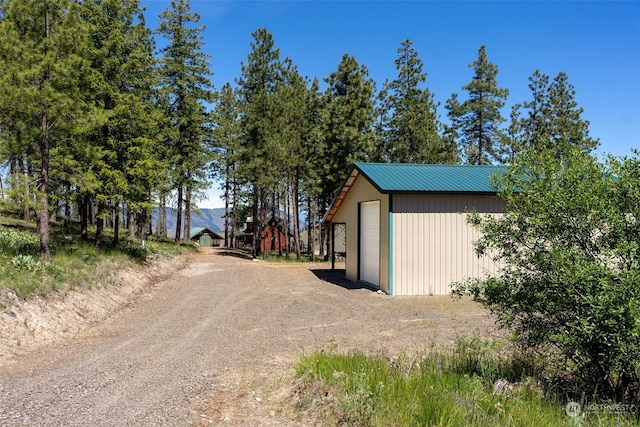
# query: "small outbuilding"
205, 237
406, 231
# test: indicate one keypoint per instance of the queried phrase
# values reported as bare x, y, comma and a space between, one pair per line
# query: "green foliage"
569, 251
262, 150
43, 71
551, 121
478, 119
74, 263
17, 242
475, 383
410, 128
347, 123
186, 87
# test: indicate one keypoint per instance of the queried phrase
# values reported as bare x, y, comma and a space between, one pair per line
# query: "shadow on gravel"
338, 278
236, 254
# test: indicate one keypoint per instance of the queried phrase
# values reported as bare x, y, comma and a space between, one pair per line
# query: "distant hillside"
210, 218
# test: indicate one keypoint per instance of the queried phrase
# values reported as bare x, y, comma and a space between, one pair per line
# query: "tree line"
98, 122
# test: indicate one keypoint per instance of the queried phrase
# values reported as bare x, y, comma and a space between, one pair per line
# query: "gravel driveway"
216, 343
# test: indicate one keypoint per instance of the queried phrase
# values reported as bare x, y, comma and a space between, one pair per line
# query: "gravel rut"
216, 344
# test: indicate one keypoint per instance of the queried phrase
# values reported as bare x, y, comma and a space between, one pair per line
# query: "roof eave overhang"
337, 201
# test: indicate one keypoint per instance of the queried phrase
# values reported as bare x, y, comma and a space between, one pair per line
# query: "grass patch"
476, 383
73, 263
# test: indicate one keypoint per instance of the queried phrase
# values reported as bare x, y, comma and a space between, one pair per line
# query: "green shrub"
568, 247
17, 242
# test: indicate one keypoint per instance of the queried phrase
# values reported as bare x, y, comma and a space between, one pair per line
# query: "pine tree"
313, 162
43, 67
347, 123
412, 125
261, 149
225, 140
480, 118
123, 54
185, 80
300, 101
551, 121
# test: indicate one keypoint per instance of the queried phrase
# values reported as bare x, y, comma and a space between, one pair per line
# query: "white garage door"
370, 242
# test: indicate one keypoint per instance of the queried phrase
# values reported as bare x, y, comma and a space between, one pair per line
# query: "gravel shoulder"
215, 343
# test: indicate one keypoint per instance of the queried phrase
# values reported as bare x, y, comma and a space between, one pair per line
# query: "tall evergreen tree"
551, 121
300, 114
185, 80
313, 161
412, 126
480, 118
123, 54
347, 123
225, 140
43, 68
348, 115
451, 131
262, 149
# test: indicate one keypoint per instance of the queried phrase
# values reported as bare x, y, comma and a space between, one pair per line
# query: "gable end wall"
363, 191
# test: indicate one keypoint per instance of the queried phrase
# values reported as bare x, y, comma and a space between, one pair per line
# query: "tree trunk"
287, 226
312, 243
131, 215
25, 194
178, 216
83, 207
116, 225
226, 208
329, 240
99, 225
141, 222
67, 210
264, 211
43, 211
294, 206
187, 214
318, 229
254, 224
234, 215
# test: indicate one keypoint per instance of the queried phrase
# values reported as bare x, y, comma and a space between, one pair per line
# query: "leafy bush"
138, 252
13, 241
569, 251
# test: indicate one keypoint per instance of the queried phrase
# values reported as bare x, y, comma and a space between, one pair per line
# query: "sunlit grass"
74, 262
469, 385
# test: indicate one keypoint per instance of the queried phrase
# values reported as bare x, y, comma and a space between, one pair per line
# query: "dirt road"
215, 344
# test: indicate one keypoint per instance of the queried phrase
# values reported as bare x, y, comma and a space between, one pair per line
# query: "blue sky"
597, 43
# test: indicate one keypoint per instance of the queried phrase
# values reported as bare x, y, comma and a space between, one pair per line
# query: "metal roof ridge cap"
369, 178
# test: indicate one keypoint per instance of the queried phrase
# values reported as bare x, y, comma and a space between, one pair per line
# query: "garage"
406, 230
370, 242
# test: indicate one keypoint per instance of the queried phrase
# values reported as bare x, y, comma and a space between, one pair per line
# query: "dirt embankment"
27, 325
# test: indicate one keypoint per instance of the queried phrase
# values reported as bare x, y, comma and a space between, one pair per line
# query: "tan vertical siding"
432, 243
363, 191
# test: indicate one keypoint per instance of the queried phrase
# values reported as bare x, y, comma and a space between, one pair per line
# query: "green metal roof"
197, 230
421, 178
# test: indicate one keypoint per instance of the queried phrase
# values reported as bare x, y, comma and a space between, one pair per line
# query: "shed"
406, 231
205, 237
